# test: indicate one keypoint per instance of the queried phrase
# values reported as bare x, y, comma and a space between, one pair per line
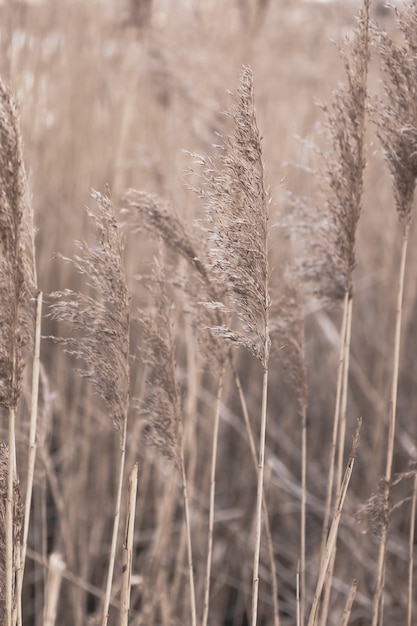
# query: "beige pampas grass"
162, 405
397, 130
236, 205
17, 288
100, 333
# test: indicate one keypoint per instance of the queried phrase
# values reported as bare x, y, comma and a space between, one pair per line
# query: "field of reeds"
208, 313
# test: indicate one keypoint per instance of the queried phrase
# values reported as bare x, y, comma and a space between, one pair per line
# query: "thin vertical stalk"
331, 540
345, 384
336, 416
302, 564
274, 583
32, 448
212, 497
189, 544
56, 570
116, 522
259, 492
349, 603
9, 514
128, 546
411, 554
378, 595
342, 438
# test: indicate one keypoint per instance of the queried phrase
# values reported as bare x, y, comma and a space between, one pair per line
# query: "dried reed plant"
205, 301
162, 406
237, 207
329, 258
397, 130
17, 289
99, 325
287, 331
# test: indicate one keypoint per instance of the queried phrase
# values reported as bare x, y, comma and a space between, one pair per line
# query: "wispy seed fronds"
17, 268
397, 120
162, 403
331, 229
148, 212
236, 206
17, 526
99, 322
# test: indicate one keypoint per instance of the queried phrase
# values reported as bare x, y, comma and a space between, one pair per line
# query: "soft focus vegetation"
252, 282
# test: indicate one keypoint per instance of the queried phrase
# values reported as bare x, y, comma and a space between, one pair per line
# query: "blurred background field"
116, 94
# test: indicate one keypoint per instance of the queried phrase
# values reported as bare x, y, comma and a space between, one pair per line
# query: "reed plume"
205, 301
17, 289
397, 130
236, 205
162, 406
99, 325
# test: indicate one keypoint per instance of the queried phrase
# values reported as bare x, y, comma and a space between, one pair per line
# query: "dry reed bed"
126, 124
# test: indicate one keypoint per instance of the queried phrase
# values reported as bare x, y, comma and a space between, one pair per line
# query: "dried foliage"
397, 114
100, 322
17, 271
17, 526
330, 230
162, 402
236, 205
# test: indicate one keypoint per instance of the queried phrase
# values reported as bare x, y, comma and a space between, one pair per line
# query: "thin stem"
116, 522
189, 544
342, 438
331, 540
302, 564
274, 580
411, 554
9, 515
212, 497
259, 492
349, 603
56, 569
32, 448
336, 417
378, 596
128, 546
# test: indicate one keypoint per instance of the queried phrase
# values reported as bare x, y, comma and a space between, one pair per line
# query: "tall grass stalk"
32, 448
378, 595
103, 322
397, 131
212, 496
331, 540
128, 545
411, 544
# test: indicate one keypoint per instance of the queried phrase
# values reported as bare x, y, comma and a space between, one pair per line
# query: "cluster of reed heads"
186, 358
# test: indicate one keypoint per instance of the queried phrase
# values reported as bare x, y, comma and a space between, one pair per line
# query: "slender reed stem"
128, 546
331, 540
9, 516
342, 438
349, 603
378, 595
56, 569
189, 544
212, 496
302, 564
343, 406
336, 416
32, 446
116, 522
274, 580
411, 554
259, 492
